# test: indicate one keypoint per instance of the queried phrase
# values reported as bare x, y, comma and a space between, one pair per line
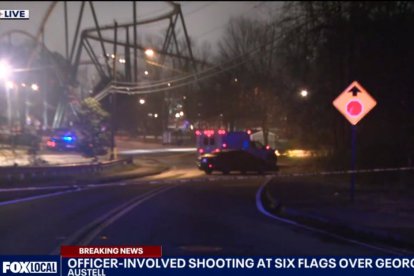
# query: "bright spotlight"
5, 70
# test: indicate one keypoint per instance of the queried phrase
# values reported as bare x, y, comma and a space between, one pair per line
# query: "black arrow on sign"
354, 91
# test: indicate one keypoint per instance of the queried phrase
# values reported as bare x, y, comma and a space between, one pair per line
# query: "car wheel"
208, 171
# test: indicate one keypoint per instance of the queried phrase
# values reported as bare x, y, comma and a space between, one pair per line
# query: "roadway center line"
90, 231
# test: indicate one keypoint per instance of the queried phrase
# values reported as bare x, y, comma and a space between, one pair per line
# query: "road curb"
274, 206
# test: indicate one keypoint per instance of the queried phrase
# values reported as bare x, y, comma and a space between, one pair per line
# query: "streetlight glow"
35, 87
9, 84
149, 53
304, 93
146, 73
141, 101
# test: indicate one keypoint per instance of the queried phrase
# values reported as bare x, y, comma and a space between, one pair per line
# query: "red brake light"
249, 132
221, 132
217, 150
200, 150
198, 133
224, 145
267, 147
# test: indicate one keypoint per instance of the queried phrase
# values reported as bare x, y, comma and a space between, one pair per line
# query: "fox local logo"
14, 14
29, 267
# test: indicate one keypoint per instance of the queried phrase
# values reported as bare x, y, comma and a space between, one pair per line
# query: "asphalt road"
183, 210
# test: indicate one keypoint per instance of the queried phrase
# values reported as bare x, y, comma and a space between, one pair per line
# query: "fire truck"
210, 141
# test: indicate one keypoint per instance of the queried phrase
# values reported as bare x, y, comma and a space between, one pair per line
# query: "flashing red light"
51, 144
198, 133
221, 132
200, 150
210, 166
249, 132
224, 145
268, 147
209, 132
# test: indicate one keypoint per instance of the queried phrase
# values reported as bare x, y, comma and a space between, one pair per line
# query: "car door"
249, 162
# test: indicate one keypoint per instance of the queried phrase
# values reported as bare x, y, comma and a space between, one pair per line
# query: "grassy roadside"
382, 210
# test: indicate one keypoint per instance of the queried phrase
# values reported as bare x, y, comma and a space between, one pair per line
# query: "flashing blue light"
67, 138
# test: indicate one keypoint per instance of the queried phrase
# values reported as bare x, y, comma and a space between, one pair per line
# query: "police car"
62, 139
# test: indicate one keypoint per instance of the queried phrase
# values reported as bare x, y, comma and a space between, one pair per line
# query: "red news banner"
111, 251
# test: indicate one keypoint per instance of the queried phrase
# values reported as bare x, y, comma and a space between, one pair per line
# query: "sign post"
354, 103
353, 161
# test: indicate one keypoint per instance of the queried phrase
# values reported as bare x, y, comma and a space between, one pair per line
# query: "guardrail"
24, 173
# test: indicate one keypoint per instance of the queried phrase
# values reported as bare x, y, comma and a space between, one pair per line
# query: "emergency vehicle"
210, 140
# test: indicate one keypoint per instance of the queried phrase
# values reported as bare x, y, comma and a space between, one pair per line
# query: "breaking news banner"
148, 260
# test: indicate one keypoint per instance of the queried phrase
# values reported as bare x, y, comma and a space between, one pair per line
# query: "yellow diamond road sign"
354, 102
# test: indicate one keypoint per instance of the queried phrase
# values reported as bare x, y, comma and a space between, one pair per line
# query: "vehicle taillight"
200, 150
198, 133
217, 150
267, 147
224, 145
210, 165
221, 132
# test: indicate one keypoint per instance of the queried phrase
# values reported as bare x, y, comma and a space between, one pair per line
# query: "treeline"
322, 47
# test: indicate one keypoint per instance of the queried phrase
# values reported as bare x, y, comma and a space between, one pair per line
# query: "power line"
218, 69
174, 83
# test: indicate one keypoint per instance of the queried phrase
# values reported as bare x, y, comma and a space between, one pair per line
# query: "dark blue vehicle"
62, 139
